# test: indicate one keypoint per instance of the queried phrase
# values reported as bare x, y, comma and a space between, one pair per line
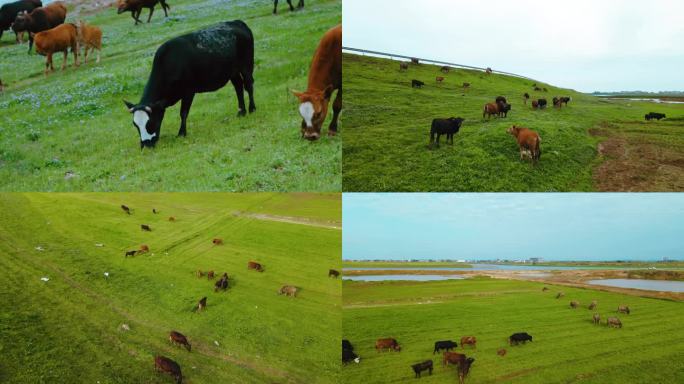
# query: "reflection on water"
488, 267
403, 277
649, 285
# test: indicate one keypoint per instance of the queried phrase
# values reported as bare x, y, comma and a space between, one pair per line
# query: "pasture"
72, 132
567, 347
70, 328
591, 145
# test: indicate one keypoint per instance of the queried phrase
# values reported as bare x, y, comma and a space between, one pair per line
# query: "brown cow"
415, 60
453, 358
171, 218
164, 364
470, 340
535, 104
144, 248
592, 306
439, 79
613, 322
596, 318
466, 86
202, 304
130, 253
623, 309
288, 290
58, 39
210, 275
464, 368
90, 37
444, 69
490, 109
145, 227
545, 289
501, 352
255, 266
403, 66
179, 339
333, 273
325, 76
528, 142
217, 241
387, 343
136, 6
40, 19
574, 304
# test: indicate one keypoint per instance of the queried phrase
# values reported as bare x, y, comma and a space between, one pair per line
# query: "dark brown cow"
445, 69
574, 304
464, 368
439, 79
145, 227
466, 86
179, 339
217, 241
528, 142
166, 365
403, 66
501, 352
614, 322
565, 100
387, 343
40, 19
289, 2
592, 306
202, 304
58, 39
255, 266
526, 97
535, 104
154, 211
453, 358
415, 61
470, 340
130, 253
2, 87
490, 109
325, 76
333, 273
171, 218
210, 275
556, 102
288, 290
221, 284
545, 289
420, 367
136, 7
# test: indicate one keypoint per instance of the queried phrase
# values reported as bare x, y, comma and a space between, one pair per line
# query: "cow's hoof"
332, 133
252, 109
242, 113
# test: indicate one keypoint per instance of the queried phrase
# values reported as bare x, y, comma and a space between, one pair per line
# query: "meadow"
567, 347
72, 132
70, 328
592, 145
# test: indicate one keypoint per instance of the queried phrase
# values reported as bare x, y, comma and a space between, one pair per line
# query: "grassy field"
567, 347
593, 144
72, 132
412, 264
68, 329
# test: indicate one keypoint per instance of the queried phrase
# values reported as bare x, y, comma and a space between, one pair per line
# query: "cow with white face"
313, 108
147, 122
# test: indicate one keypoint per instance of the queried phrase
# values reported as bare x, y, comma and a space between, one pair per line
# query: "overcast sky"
566, 226
587, 45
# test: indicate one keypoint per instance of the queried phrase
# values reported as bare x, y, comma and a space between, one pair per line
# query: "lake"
487, 267
403, 277
648, 285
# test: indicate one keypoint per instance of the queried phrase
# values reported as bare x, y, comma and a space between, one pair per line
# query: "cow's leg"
47, 63
66, 56
186, 103
239, 86
150, 16
249, 86
337, 107
275, 7
98, 56
301, 4
76, 51
289, 2
133, 15
164, 7
30, 43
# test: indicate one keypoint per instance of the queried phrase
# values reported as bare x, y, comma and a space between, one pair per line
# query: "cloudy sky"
567, 226
585, 45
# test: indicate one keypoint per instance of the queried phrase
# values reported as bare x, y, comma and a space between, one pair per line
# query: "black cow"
9, 12
348, 356
516, 338
202, 61
447, 127
420, 367
417, 83
565, 100
446, 345
145, 227
504, 107
501, 99
542, 103
289, 2
347, 345
653, 115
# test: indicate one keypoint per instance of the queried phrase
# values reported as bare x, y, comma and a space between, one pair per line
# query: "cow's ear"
327, 92
296, 94
129, 105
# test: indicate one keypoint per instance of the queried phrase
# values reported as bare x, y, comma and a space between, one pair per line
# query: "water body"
649, 99
403, 277
488, 267
649, 285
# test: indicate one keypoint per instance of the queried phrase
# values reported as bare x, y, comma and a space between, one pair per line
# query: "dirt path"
292, 220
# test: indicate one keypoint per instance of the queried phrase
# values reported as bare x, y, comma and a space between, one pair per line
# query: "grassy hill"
75, 122
68, 329
593, 144
566, 346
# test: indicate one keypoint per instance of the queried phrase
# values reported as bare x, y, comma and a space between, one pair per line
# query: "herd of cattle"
460, 360
165, 364
198, 62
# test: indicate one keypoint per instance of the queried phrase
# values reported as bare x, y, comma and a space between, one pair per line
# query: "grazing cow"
559, 295
453, 358
222, 284
592, 306
154, 210
623, 309
180, 339
516, 338
217, 241
501, 352
255, 266
202, 304
526, 97
501, 99
90, 38
348, 356
347, 345
171, 218
325, 76
289, 2
439, 79
288, 290
9, 12
387, 343
145, 227
537, 89
417, 83
466, 86
490, 109
445, 69
415, 61
210, 275
130, 253
447, 127
202, 61
488, 71
542, 103
464, 368
144, 248
503, 108
420, 367
40, 19
613, 322
565, 100
470, 340
545, 289
528, 143
596, 318
535, 104
166, 365
58, 39
653, 115
574, 304
403, 66
333, 273
446, 345
126, 209
136, 7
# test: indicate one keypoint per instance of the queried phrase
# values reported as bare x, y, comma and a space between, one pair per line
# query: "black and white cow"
348, 354
202, 61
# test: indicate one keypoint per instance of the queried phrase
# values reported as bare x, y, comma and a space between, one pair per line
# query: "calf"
387, 343
517, 338
439, 79
288, 290
333, 273
40, 19
464, 368
126, 209
528, 143
574, 304
623, 309
596, 318
179, 339
613, 322
145, 227
446, 345
556, 102
58, 39
447, 127
417, 83
469, 340
130, 253
202, 61
403, 66
453, 358
9, 12
348, 356
255, 266
444, 69
217, 241
325, 76
289, 2
420, 367
136, 7
166, 365
90, 38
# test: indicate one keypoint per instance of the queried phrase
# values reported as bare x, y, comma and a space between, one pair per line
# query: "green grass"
567, 347
76, 122
67, 330
412, 264
388, 125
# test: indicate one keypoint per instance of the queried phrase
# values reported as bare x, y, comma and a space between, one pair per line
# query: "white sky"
585, 45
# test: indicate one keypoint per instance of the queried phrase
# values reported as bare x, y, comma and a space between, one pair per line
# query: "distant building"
535, 260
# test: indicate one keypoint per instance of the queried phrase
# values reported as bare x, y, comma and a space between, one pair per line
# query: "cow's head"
147, 120
397, 347
313, 107
21, 21
122, 6
513, 130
